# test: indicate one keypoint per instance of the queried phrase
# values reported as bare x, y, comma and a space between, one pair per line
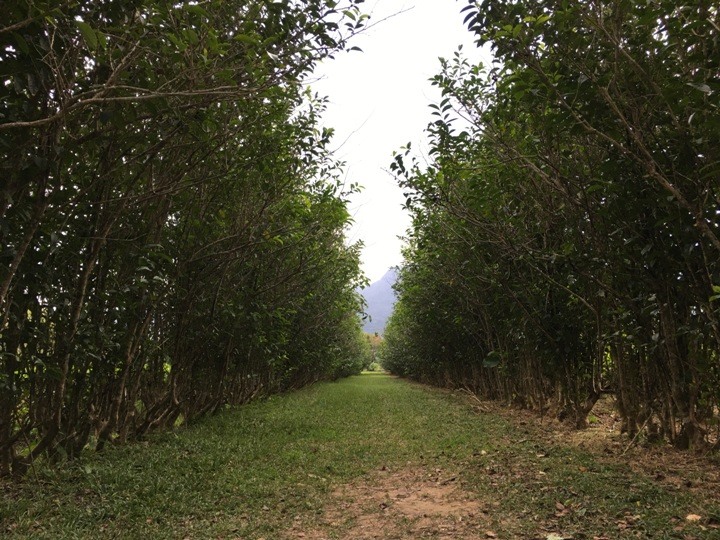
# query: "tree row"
565, 235
172, 222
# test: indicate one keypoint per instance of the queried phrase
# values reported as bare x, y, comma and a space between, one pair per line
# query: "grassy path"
356, 459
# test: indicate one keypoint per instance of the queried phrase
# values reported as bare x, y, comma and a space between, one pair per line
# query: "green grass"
249, 472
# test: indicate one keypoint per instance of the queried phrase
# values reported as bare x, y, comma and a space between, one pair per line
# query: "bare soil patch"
412, 502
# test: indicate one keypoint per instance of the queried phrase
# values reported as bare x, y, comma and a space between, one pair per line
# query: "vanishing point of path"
373, 457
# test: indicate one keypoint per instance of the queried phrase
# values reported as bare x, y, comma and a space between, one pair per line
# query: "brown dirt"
408, 503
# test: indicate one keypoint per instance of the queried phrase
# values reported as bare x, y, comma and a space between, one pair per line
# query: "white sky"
379, 101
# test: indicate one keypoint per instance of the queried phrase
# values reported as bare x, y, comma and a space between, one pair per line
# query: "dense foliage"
565, 236
171, 219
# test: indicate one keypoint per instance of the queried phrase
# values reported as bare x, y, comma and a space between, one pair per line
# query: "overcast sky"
379, 101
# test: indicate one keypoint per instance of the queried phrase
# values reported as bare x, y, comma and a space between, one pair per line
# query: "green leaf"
21, 43
191, 36
492, 359
180, 44
716, 296
702, 87
102, 39
88, 34
197, 10
244, 38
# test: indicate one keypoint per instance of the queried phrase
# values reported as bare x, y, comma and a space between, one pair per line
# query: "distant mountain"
380, 299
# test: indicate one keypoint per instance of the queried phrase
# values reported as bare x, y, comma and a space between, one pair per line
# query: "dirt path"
407, 503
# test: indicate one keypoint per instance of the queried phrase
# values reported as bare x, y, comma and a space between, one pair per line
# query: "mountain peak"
380, 299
